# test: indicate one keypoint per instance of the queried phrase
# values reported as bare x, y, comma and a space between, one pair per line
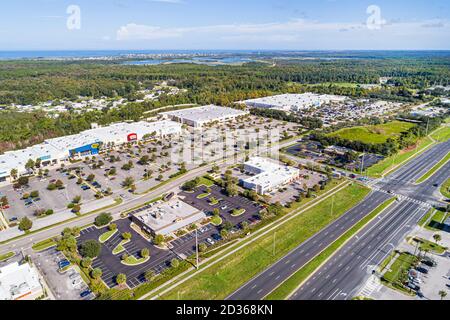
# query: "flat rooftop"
205, 113
288, 100
17, 280
167, 217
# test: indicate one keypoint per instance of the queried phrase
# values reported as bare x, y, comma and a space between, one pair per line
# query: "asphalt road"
340, 277
266, 281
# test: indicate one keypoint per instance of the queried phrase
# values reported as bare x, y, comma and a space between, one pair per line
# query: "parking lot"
56, 200
65, 286
111, 264
226, 204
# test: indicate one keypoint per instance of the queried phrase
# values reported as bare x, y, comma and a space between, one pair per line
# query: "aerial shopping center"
58, 150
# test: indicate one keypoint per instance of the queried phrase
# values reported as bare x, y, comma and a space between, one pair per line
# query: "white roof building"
268, 175
19, 282
167, 217
199, 116
293, 102
61, 148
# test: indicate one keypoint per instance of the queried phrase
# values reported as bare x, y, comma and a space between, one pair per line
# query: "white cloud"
297, 33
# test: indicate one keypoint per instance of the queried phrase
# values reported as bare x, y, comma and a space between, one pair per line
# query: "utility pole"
428, 121
196, 248
332, 204
362, 164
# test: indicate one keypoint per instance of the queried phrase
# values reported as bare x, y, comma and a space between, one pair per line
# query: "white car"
210, 241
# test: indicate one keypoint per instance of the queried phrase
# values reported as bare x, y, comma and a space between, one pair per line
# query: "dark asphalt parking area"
111, 264
237, 202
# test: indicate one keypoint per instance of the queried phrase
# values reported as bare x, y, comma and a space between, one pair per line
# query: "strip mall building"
86, 143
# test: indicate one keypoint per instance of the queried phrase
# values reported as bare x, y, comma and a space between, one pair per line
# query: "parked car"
85, 293
422, 270
216, 237
210, 241
12, 219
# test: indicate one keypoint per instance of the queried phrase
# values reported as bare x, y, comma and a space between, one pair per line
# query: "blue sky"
225, 24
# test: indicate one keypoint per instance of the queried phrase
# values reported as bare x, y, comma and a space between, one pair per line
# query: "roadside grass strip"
133, 261
120, 247
445, 188
442, 134
107, 235
426, 245
7, 255
44, 244
298, 278
391, 163
398, 272
426, 217
231, 249
433, 170
218, 280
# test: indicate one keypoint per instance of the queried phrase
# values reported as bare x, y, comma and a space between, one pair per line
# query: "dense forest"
31, 82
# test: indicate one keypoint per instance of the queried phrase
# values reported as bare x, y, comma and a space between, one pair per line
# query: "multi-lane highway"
340, 276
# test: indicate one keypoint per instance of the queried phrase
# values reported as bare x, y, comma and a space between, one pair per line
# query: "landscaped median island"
120, 247
221, 279
435, 168
427, 246
6, 256
107, 235
133, 261
287, 287
44, 244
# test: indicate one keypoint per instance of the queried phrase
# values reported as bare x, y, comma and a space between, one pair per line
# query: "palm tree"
13, 174
442, 294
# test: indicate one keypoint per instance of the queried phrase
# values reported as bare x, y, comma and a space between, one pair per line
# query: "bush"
103, 219
90, 249
96, 273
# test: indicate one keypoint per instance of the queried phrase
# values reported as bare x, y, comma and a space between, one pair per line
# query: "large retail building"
89, 142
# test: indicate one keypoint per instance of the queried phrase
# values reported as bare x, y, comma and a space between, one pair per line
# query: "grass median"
287, 287
221, 279
435, 168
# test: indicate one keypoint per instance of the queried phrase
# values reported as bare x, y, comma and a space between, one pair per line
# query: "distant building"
267, 175
19, 282
293, 102
199, 116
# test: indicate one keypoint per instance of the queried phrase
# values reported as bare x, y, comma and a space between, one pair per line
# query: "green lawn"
435, 168
6, 256
221, 279
206, 182
105, 236
238, 212
426, 217
397, 273
445, 188
429, 245
203, 195
436, 220
133, 261
297, 278
217, 221
442, 134
386, 164
375, 134
45, 244
120, 248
